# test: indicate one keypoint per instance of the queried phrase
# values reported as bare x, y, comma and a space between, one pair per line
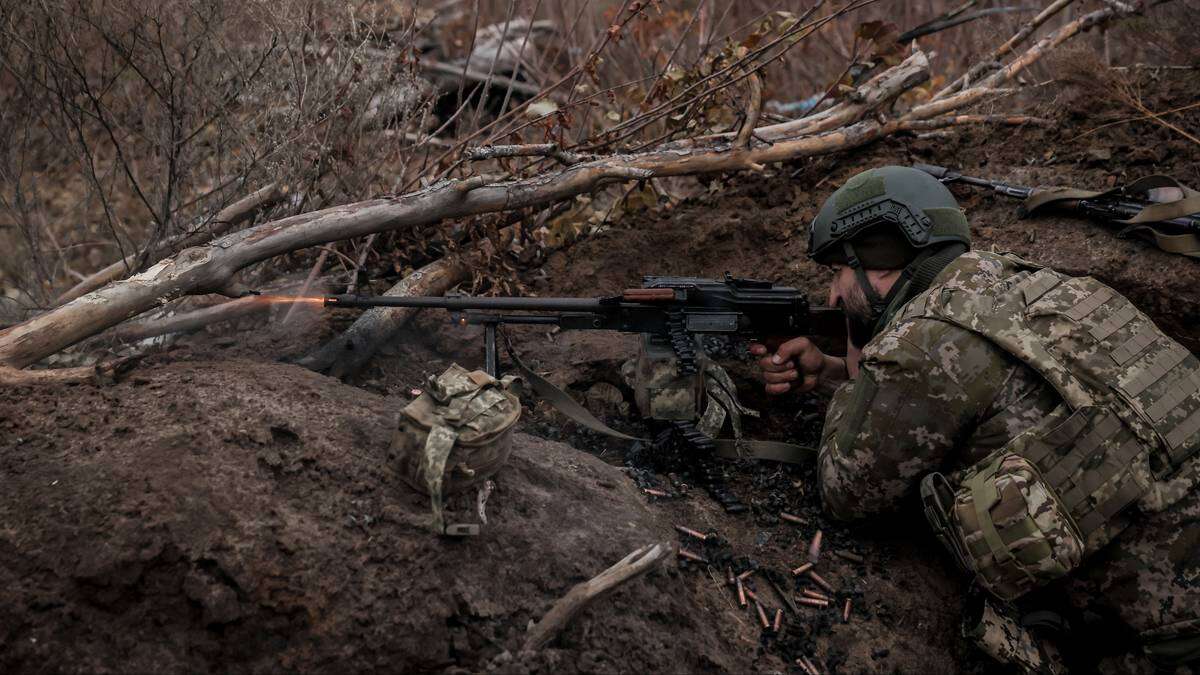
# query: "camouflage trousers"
1149, 578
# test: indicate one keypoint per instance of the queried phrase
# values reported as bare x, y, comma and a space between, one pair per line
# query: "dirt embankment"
222, 511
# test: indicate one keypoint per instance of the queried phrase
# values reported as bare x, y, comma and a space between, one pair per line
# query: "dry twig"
578, 598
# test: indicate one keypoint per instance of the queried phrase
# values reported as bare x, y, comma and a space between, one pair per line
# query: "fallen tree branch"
1043, 46
349, 352
753, 111
578, 598
101, 373
960, 100
551, 150
231, 215
195, 320
957, 120
999, 52
865, 99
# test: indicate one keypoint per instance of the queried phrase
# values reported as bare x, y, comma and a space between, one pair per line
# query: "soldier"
1066, 423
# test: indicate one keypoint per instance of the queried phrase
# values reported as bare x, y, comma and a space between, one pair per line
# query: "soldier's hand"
796, 364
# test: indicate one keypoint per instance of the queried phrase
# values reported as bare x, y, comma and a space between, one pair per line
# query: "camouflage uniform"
932, 396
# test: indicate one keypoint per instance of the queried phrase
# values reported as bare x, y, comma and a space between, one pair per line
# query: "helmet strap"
877, 303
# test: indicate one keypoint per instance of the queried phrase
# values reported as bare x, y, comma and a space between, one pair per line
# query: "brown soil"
222, 511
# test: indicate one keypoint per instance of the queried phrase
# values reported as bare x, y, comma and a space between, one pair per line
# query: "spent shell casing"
797, 520
846, 612
820, 581
851, 556
729, 578
655, 493
807, 665
741, 593
814, 548
762, 615
802, 569
778, 620
752, 595
689, 555
808, 593
691, 533
812, 602
745, 575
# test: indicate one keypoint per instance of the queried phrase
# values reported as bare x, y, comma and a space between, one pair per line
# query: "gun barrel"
465, 303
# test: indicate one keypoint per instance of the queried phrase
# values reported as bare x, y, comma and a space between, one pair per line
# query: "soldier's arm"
895, 422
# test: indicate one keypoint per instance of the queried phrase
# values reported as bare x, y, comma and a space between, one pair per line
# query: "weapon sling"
777, 451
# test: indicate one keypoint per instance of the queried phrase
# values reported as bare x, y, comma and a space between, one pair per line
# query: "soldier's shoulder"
923, 335
975, 270
936, 350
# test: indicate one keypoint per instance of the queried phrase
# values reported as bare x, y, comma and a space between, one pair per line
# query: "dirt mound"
243, 516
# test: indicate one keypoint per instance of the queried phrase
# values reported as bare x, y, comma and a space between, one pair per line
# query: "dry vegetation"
131, 125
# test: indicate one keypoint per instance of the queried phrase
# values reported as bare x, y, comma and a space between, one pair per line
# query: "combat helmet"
891, 217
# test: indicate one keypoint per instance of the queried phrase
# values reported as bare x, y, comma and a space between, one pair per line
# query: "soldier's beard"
860, 319
854, 303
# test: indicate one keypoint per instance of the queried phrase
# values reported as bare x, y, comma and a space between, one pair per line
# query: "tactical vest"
1123, 440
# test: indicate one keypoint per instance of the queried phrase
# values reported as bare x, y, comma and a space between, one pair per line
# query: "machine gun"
1129, 204
672, 310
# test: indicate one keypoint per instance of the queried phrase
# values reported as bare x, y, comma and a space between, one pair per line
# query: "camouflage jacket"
929, 396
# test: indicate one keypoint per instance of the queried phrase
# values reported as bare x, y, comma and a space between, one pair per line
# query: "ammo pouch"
1124, 439
454, 435
661, 393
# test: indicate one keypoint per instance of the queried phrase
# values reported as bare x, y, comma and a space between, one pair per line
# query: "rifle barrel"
464, 303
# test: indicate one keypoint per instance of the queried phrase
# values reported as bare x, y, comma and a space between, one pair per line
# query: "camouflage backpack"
1123, 441
455, 435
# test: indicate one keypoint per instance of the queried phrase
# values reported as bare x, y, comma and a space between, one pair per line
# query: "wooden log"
188, 322
347, 353
578, 598
101, 373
